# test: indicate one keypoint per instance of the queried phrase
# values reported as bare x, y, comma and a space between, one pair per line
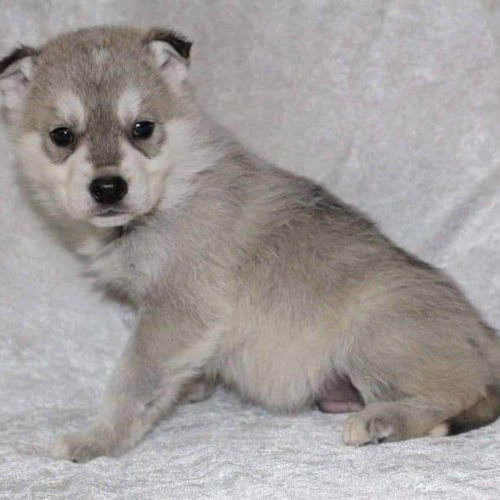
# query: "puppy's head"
89, 113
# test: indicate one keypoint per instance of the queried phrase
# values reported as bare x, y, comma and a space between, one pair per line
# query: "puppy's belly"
340, 397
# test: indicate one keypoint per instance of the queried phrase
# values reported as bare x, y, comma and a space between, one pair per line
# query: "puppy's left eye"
62, 137
143, 130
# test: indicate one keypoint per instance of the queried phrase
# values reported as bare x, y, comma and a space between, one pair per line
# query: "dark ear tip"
17, 54
181, 44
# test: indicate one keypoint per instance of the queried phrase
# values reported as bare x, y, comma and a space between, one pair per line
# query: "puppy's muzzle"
108, 189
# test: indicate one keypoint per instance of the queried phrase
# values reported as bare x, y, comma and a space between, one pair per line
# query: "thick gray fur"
242, 272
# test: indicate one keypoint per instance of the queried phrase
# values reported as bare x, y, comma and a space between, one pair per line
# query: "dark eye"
143, 130
62, 137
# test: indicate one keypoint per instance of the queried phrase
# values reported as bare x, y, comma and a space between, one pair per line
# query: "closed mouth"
110, 217
110, 213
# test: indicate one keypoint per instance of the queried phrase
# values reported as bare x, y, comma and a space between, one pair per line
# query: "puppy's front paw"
79, 447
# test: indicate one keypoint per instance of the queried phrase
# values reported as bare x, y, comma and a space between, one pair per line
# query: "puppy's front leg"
143, 387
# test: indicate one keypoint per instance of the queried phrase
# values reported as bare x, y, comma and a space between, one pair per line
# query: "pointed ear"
15, 76
170, 52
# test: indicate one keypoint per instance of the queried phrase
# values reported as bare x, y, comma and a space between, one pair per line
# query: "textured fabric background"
395, 105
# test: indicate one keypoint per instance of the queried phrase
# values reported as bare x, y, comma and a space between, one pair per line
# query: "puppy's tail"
484, 412
487, 409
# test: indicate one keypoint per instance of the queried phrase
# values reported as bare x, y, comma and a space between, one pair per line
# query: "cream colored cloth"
395, 105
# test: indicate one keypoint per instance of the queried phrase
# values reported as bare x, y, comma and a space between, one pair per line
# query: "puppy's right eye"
62, 137
143, 130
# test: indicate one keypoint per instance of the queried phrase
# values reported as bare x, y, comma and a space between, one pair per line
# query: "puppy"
242, 272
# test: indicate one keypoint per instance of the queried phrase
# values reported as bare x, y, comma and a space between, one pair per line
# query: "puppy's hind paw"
355, 432
359, 431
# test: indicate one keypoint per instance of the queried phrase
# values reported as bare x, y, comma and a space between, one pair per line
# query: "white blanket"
395, 105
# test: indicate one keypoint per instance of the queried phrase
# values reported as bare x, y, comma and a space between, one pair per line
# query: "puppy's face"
90, 114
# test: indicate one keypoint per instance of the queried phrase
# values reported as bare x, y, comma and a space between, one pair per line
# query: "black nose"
108, 189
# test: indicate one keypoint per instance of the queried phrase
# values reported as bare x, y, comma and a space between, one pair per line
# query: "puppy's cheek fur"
47, 180
79, 203
133, 171
157, 172
146, 178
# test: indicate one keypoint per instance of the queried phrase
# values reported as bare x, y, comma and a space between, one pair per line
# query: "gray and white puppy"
242, 273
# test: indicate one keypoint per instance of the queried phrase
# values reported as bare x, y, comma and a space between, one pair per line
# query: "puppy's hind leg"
414, 364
